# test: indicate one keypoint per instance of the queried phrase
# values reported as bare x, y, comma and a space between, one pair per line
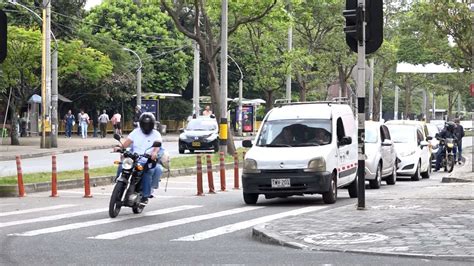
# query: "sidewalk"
436, 223
30, 146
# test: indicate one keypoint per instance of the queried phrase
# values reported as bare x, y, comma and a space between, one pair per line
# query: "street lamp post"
139, 77
241, 85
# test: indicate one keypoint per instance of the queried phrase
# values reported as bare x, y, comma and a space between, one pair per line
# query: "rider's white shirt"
141, 142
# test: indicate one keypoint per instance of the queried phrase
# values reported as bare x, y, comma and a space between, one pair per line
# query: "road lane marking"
158, 226
246, 224
53, 217
37, 209
73, 226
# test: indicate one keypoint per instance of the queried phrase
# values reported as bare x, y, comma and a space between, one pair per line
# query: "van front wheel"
330, 197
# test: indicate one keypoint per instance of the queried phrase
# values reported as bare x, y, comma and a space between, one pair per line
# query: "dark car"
200, 134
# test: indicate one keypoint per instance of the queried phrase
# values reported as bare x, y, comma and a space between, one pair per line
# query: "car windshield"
201, 125
295, 133
371, 134
432, 130
402, 133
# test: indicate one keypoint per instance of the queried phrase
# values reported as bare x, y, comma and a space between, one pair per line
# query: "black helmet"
450, 126
147, 122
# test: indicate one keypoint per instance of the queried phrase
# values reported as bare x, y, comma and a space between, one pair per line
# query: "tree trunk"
342, 81
408, 90
14, 124
303, 89
269, 99
450, 105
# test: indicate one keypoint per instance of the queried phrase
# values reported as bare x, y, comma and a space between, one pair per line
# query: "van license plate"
281, 182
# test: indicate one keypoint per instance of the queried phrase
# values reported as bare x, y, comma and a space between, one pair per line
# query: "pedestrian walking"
116, 122
103, 120
84, 122
95, 122
459, 134
69, 121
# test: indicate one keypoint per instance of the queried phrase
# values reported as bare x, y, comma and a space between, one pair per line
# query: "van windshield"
295, 133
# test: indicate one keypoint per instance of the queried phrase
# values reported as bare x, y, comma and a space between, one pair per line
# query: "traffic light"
3, 36
355, 17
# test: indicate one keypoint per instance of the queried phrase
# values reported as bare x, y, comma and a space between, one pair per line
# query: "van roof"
308, 111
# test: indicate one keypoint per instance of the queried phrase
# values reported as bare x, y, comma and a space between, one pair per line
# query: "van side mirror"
387, 142
345, 141
429, 138
247, 143
181, 130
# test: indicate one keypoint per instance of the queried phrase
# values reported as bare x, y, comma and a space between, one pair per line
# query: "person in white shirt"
84, 122
140, 140
103, 120
116, 123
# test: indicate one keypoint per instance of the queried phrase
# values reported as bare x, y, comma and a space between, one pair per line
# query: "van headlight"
250, 167
316, 165
127, 164
407, 153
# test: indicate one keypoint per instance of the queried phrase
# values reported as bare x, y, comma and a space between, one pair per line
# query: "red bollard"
54, 178
222, 170
210, 178
236, 171
87, 185
21, 187
199, 176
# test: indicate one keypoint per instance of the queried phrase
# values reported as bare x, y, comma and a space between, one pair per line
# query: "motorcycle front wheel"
450, 163
116, 199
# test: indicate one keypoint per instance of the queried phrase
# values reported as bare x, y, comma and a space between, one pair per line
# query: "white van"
302, 148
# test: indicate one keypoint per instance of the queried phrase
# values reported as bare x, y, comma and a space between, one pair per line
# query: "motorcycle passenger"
447, 132
140, 139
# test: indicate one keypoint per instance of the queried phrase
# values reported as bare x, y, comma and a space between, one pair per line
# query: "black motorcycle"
128, 188
448, 145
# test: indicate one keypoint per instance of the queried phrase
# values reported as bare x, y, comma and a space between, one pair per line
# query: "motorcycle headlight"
406, 153
450, 145
316, 165
127, 164
250, 167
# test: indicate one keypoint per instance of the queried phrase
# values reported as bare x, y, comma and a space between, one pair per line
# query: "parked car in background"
434, 143
381, 162
412, 151
201, 133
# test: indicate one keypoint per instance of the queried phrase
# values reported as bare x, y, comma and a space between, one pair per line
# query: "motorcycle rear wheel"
115, 203
138, 209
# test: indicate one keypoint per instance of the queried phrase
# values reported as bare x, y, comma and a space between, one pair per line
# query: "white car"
412, 150
381, 161
302, 148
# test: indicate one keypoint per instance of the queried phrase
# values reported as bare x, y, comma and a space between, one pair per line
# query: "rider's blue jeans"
151, 179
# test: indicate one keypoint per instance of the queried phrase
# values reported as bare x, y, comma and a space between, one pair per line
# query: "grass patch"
176, 163
469, 133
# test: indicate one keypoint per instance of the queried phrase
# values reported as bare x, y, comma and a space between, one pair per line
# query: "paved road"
176, 228
74, 161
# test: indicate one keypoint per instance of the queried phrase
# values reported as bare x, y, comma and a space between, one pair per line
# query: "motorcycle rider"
140, 139
447, 132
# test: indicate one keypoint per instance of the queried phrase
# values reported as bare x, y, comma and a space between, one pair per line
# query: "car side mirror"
117, 136
247, 143
345, 141
429, 138
181, 130
387, 142
424, 143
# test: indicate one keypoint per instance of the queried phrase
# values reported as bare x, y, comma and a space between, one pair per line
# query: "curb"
12, 190
262, 234
48, 153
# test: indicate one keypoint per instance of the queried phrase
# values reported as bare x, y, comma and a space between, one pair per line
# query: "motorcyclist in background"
447, 132
141, 139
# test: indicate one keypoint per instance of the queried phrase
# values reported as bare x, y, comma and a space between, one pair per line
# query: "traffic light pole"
361, 112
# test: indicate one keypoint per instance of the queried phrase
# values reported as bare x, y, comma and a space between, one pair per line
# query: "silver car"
381, 162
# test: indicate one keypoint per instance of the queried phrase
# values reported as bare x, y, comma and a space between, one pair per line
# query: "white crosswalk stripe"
73, 226
158, 226
37, 210
53, 217
245, 224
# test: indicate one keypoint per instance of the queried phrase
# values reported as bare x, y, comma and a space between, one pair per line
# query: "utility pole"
46, 77
139, 77
196, 80
381, 113
371, 90
223, 128
290, 47
54, 99
395, 107
425, 106
433, 110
